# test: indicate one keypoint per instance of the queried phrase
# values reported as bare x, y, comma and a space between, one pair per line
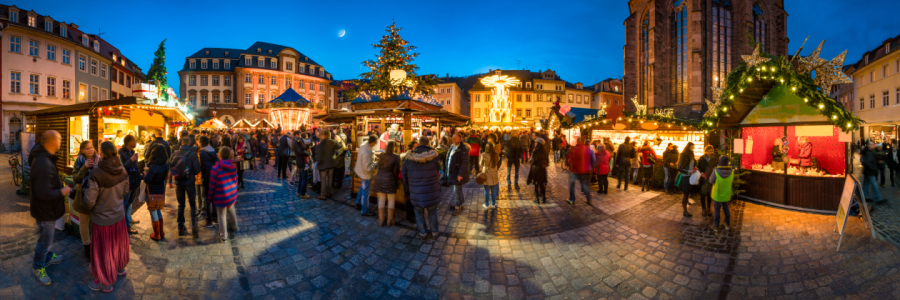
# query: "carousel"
290, 111
247, 124
212, 123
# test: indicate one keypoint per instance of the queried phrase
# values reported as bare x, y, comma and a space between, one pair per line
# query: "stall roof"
335, 116
580, 113
170, 112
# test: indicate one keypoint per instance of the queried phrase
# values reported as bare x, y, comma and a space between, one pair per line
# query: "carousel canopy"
288, 100
290, 96
244, 123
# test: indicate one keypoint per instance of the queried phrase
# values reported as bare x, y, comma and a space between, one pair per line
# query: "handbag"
156, 201
695, 178
481, 179
142, 193
245, 164
678, 180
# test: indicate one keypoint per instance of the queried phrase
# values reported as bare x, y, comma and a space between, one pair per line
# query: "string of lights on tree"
762, 67
395, 55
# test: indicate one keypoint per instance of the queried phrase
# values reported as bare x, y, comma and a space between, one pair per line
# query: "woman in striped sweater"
223, 192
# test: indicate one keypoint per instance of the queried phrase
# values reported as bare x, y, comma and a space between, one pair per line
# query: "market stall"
212, 123
290, 111
99, 122
790, 136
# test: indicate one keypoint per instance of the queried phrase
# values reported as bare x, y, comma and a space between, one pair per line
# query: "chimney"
448, 75
73, 25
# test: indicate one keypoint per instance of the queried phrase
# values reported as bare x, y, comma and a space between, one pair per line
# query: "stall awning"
173, 114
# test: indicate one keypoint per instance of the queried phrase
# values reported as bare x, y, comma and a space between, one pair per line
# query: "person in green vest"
721, 181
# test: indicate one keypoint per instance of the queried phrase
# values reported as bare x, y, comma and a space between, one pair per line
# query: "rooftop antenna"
547, 64
99, 32
518, 63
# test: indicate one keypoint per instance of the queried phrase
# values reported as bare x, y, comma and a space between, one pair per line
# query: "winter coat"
474, 144
422, 177
388, 173
686, 163
458, 164
707, 165
556, 143
625, 154
539, 162
601, 162
263, 150
513, 151
47, 201
581, 159
208, 159
670, 158
646, 153
155, 178
805, 154
157, 141
284, 146
340, 154
131, 167
192, 163
490, 169
301, 148
223, 184
105, 195
363, 160
777, 154
324, 152
869, 162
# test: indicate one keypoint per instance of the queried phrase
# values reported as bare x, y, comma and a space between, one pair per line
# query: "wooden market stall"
212, 123
99, 121
412, 115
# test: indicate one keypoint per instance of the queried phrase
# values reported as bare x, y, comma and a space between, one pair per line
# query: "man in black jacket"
458, 169
129, 161
283, 153
184, 183
47, 201
208, 159
513, 153
323, 155
157, 139
870, 172
670, 159
625, 154
421, 173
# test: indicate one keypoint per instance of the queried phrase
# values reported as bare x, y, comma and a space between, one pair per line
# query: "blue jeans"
304, 181
666, 180
458, 192
362, 197
490, 194
555, 155
509, 166
42, 254
186, 192
421, 226
155, 215
872, 181
624, 171
129, 203
724, 206
585, 181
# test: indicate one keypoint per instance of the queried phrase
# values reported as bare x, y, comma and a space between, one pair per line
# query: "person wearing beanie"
721, 181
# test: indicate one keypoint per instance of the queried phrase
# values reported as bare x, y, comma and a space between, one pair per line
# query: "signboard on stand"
844, 208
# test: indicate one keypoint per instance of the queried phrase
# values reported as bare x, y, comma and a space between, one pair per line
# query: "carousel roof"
290, 95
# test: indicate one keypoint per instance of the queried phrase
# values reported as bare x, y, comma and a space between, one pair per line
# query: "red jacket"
580, 159
601, 163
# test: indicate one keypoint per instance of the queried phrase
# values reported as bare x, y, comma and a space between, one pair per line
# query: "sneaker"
485, 206
369, 214
304, 196
714, 228
54, 259
96, 286
210, 225
121, 273
221, 239
727, 227
41, 275
571, 202
494, 206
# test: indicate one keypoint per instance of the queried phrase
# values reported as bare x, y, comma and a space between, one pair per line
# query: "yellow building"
531, 98
876, 84
449, 95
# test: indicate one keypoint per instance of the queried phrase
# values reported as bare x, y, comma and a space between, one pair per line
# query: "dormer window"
14, 16
97, 46
306, 58
258, 50
528, 85
203, 64
262, 62
302, 68
226, 53
193, 64
289, 66
63, 31
270, 51
321, 73
32, 21
273, 64
84, 40
247, 61
215, 64
48, 26
227, 64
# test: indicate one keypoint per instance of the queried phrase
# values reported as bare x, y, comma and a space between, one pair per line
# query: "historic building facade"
47, 63
532, 97
876, 89
676, 50
228, 83
449, 95
607, 92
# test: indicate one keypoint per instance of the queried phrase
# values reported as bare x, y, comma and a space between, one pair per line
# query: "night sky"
581, 40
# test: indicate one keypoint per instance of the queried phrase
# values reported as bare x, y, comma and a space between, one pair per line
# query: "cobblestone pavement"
885, 217
630, 245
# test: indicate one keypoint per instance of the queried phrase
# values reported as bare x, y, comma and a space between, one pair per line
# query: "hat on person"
724, 160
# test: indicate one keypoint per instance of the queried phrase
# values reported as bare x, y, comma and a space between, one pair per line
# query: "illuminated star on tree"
755, 58
832, 72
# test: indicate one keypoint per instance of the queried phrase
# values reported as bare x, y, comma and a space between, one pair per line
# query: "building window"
34, 84
227, 64
885, 98
302, 68
518, 112
14, 16
204, 100
248, 98
128, 81
528, 85
15, 82
528, 113
215, 64
759, 26
477, 98
247, 78
721, 41
227, 98
248, 62
66, 89
274, 80
51, 52
871, 101
31, 21
897, 97
95, 94
65, 56
260, 98
103, 70
273, 64
204, 80
121, 77
289, 66
518, 98
63, 31
884, 71
192, 80
261, 63
94, 64
216, 80
287, 82
227, 81
540, 112
203, 64
33, 48
527, 98
539, 98
104, 94
193, 64
82, 92
48, 26
193, 100
477, 112
262, 79
215, 98
51, 87
871, 76
862, 103
570, 98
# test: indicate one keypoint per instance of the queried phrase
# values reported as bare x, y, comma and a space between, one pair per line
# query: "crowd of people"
206, 169
879, 161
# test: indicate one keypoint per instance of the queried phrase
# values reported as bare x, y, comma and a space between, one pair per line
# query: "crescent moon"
342, 33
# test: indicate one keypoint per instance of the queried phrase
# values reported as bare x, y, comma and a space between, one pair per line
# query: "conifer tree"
395, 54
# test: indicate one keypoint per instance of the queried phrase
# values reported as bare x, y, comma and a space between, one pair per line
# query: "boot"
380, 216
155, 235
390, 217
87, 252
162, 233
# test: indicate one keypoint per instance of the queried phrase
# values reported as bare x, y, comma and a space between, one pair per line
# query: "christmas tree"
395, 54
157, 71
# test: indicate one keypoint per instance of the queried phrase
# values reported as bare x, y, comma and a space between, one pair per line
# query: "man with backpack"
184, 166
208, 158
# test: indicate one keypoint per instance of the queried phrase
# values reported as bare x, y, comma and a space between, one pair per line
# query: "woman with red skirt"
105, 198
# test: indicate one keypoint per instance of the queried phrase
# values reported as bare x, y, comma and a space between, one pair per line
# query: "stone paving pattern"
626, 245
